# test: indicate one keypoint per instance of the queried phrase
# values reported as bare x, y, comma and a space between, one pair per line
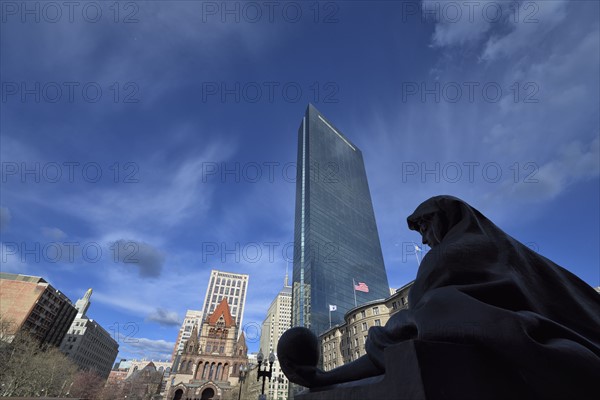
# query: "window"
403, 300
375, 310
354, 330
377, 322
363, 314
364, 326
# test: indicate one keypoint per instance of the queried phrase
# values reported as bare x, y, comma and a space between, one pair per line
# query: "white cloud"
80, 54
180, 289
164, 317
134, 303
532, 26
162, 198
152, 349
575, 162
53, 233
503, 27
458, 24
11, 260
165, 196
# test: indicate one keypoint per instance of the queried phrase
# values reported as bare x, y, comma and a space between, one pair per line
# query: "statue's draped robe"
480, 286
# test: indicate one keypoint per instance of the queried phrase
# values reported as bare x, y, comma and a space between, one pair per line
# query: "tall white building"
87, 343
278, 320
230, 286
192, 318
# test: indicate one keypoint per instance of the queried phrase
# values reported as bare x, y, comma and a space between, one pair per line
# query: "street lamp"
264, 373
243, 372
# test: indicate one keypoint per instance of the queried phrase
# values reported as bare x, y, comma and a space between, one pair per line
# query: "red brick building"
29, 303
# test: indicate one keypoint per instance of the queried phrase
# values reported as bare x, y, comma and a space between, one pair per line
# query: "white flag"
332, 307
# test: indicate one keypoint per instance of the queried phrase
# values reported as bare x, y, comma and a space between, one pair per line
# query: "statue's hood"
450, 217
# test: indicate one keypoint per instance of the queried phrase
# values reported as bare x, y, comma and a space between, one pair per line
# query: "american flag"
361, 287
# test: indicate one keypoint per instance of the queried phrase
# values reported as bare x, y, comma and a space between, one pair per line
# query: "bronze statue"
479, 286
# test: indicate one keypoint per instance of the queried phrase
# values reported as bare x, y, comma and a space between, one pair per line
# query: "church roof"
242, 340
222, 310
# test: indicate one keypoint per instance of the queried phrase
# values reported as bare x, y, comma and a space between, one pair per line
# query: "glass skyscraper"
336, 243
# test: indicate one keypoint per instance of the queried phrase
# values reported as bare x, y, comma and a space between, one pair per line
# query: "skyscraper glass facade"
336, 243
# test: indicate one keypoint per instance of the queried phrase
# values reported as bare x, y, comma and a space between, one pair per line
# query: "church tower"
211, 357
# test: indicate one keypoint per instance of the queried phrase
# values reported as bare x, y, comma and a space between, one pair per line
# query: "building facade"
89, 345
125, 379
229, 286
251, 387
32, 305
135, 365
192, 318
209, 364
346, 342
277, 321
336, 242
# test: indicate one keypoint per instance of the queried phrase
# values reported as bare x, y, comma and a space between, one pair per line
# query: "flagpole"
354, 291
329, 317
417, 254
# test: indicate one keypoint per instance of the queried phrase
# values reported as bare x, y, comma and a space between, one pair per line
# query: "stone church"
209, 364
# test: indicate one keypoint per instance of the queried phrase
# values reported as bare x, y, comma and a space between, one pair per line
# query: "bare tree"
88, 385
29, 369
112, 390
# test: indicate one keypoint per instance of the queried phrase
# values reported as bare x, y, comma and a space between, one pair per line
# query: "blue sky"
164, 97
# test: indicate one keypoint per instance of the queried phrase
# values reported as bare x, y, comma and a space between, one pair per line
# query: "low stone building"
142, 384
161, 366
344, 343
87, 343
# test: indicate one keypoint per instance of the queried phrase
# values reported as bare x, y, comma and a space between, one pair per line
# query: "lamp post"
243, 371
264, 373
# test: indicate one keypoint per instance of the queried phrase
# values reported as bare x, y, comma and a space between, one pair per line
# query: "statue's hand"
298, 351
309, 376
